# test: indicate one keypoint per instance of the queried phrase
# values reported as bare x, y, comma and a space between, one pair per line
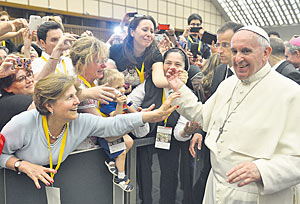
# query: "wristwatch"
17, 165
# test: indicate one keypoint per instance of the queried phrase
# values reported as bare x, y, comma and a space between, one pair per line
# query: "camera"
195, 29
132, 14
22, 63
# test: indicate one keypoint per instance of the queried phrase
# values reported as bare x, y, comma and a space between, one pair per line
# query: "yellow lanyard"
85, 81
141, 73
90, 86
163, 100
63, 61
62, 147
191, 40
3, 43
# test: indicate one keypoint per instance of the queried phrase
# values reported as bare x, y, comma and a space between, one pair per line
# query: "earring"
51, 113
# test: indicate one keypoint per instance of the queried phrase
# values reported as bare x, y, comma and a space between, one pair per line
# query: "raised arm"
62, 45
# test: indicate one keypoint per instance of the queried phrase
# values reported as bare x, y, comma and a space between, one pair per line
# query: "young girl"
116, 162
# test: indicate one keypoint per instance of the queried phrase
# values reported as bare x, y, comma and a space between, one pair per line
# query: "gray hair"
263, 42
292, 48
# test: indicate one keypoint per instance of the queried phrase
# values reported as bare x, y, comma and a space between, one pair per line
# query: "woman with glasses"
16, 93
138, 56
88, 55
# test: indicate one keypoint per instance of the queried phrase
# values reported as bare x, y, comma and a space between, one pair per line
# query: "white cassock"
263, 126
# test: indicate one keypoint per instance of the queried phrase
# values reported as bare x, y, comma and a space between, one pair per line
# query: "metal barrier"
82, 178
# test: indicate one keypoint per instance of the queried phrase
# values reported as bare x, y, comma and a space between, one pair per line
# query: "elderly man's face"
293, 58
247, 54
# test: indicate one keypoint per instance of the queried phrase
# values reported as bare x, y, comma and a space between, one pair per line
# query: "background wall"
174, 12
285, 31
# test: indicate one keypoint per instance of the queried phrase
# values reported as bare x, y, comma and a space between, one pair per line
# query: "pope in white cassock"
252, 125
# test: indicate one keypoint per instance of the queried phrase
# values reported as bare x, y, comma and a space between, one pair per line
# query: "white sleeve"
141, 131
278, 173
137, 95
179, 126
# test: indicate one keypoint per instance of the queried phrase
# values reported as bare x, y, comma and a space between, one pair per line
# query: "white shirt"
65, 63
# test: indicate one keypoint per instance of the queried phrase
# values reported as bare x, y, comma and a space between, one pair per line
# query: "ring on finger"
40, 176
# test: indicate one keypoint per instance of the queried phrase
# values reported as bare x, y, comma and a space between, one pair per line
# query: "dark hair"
194, 16
273, 33
278, 47
45, 27
5, 49
182, 53
6, 82
128, 49
229, 26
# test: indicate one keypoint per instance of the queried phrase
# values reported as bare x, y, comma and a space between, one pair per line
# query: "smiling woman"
16, 91
55, 119
138, 56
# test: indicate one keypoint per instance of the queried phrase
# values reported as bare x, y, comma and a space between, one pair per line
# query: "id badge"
163, 137
53, 195
116, 146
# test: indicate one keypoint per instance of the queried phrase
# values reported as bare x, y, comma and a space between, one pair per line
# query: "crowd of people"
213, 101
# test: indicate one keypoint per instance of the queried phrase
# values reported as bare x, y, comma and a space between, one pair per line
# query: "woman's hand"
27, 39
163, 111
37, 172
165, 44
17, 24
101, 93
7, 66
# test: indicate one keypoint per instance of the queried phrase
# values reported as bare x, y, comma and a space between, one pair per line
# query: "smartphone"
159, 37
208, 37
22, 63
163, 26
195, 29
132, 14
34, 23
194, 49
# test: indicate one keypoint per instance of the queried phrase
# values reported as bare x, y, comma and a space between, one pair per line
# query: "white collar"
258, 75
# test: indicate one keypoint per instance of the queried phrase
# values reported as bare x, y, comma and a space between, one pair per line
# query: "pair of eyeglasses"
29, 74
223, 44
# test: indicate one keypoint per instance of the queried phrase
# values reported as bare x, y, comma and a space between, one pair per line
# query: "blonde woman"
88, 55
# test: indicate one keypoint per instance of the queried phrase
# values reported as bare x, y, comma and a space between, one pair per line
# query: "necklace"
229, 114
60, 134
